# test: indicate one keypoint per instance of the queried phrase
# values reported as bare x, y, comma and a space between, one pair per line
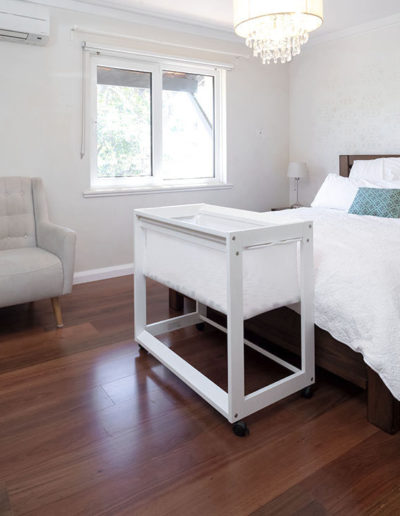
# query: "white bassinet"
238, 263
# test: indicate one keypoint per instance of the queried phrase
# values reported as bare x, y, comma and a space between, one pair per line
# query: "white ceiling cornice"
363, 28
177, 23
187, 25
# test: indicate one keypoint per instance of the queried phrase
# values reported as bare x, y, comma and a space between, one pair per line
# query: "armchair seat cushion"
28, 274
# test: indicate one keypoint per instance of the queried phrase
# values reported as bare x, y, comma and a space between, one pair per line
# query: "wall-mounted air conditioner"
24, 22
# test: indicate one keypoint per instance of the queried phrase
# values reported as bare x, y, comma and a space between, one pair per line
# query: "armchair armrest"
61, 242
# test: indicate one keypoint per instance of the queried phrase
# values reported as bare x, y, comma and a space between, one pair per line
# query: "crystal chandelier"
276, 29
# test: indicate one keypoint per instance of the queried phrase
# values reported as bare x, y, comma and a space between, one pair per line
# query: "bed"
281, 328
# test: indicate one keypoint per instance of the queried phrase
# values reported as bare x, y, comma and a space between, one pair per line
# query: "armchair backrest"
17, 218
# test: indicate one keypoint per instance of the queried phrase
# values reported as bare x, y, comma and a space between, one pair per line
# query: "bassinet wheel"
201, 326
307, 392
240, 429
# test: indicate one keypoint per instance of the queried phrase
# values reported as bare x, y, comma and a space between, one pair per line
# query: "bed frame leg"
175, 300
383, 408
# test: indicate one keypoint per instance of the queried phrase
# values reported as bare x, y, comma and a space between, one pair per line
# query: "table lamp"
297, 171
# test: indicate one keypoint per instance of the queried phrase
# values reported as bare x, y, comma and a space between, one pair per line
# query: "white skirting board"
103, 273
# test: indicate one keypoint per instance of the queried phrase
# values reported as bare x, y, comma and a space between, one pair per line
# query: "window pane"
123, 123
188, 125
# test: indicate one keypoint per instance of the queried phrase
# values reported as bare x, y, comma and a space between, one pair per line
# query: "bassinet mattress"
270, 274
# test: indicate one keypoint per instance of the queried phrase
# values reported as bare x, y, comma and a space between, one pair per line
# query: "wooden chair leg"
55, 301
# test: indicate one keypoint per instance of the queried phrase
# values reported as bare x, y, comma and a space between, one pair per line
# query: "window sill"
143, 190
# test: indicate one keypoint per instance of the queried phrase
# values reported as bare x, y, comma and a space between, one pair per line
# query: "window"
123, 123
156, 125
188, 125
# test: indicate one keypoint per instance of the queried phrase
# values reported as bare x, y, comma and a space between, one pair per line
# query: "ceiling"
339, 14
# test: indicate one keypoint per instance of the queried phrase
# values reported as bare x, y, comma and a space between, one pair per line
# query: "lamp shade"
257, 15
298, 170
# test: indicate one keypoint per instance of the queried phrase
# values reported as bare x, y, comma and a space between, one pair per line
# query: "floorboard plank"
5, 506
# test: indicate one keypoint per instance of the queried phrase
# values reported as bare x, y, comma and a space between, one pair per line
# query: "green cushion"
379, 202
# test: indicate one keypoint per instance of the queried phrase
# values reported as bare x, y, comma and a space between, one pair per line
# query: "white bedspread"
357, 284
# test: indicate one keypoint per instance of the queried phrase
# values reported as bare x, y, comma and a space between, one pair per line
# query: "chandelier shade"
276, 29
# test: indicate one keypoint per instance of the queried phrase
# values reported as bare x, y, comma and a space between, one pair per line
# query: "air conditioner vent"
13, 34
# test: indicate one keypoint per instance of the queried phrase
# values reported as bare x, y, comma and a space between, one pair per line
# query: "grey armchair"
36, 256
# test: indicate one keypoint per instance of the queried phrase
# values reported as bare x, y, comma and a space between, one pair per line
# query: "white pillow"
336, 192
369, 170
391, 169
376, 184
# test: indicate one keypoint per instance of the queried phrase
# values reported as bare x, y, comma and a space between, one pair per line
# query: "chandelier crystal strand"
277, 36
282, 43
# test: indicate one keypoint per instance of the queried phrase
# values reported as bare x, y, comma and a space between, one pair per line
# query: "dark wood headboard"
347, 161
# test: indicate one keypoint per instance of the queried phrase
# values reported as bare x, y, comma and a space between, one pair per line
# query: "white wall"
40, 105
344, 99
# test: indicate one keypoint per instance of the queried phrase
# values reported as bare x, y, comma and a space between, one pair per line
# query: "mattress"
357, 284
199, 270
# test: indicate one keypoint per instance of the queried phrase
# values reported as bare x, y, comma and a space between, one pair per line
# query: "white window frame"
156, 182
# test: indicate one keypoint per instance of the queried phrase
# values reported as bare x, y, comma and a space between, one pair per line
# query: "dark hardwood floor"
91, 426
